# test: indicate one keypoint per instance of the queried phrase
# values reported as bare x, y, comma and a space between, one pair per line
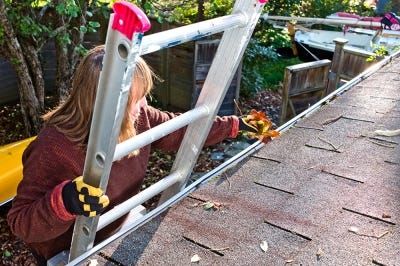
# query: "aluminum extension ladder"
124, 43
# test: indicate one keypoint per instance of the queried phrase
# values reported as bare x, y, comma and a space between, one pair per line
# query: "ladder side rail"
105, 125
121, 52
128, 205
100, 162
96, 160
169, 38
171, 201
155, 133
227, 59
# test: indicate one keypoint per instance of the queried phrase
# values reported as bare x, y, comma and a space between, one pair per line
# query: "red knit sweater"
37, 215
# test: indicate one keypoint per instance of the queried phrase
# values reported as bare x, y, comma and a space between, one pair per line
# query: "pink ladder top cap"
128, 19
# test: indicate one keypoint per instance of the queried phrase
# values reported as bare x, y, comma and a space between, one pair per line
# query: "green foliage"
284, 7
270, 36
1, 34
263, 68
323, 8
22, 17
256, 61
14, 60
318, 8
68, 8
217, 8
71, 9
183, 11
29, 19
379, 51
36, 22
184, 14
382, 50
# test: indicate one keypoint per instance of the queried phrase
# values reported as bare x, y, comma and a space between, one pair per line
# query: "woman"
47, 201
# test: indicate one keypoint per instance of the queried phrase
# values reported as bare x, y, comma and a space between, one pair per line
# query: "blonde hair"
73, 117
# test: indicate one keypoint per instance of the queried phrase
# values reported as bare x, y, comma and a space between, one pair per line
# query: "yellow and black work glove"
245, 126
82, 199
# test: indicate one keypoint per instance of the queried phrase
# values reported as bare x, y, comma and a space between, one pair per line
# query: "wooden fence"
307, 83
304, 84
347, 63
182, 68
8, 79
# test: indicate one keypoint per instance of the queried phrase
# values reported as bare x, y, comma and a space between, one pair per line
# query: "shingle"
301, 194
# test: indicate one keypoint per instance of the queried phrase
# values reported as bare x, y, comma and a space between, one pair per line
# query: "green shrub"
263, 68
255, 62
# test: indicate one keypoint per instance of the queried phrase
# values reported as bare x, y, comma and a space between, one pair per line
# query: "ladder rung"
169, 38
126, 206
237, 29
155, 133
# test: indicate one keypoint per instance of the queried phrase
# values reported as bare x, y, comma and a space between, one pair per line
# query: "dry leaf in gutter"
211, 205
262, 123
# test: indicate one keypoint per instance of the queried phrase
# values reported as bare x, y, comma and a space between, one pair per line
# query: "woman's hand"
82, 199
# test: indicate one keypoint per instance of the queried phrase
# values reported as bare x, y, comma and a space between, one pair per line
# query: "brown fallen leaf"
331, 120
260, 121
211, 205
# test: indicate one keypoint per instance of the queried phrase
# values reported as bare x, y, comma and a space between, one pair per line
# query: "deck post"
292, 30
334, 75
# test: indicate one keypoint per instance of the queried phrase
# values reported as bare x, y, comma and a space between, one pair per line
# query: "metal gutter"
232, 161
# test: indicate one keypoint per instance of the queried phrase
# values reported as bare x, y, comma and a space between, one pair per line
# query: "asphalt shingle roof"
326, 192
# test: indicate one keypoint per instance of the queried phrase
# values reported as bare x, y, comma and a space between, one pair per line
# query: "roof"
326, 192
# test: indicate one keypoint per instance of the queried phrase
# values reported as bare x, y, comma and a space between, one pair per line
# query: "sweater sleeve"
222, 128
47, 163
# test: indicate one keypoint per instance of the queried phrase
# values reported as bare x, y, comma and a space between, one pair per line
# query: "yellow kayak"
11, 168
